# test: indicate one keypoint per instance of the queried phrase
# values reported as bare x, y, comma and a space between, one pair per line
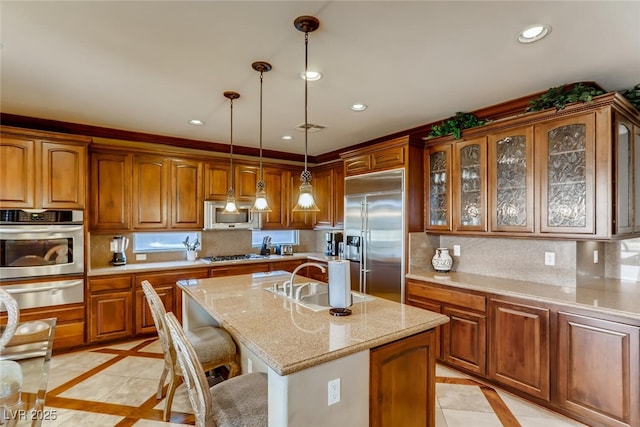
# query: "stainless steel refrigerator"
374, 233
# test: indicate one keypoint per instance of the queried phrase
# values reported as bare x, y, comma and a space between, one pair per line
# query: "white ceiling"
150, 66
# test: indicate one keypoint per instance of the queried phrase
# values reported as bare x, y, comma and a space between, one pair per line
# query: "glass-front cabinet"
566, 159
469, 169
511, 180
636, 178
624, 172
438, 188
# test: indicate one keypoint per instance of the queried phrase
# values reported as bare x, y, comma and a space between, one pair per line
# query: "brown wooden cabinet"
519, 346
464, 338
297, 220
110, 191
150, 192
42, 170
110, 308
328, 187
378, 159
217, 178
438, 194
277, 188
244, 182
165, 285
402, 382
232, 270
187, 210
470, 185
599, 369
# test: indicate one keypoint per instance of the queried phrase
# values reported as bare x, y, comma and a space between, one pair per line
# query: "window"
278, 237
163, 242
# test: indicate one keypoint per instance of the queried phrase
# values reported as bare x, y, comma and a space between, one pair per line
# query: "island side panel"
301, 399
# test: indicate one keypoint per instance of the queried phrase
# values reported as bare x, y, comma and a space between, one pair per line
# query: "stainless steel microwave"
214, 219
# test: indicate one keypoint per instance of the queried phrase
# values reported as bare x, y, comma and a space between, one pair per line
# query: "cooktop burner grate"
232, 257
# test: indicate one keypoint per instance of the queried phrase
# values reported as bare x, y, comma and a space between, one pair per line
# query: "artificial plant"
561, 96
455, 125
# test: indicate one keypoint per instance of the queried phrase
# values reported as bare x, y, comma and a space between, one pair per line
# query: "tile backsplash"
524, 259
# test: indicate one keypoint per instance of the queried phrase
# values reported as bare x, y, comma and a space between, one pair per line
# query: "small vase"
191, 255
442, 261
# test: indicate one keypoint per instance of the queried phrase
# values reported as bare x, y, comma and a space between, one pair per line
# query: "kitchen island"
303, 350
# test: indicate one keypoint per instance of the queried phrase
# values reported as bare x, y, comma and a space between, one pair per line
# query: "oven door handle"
51, 287
31, 229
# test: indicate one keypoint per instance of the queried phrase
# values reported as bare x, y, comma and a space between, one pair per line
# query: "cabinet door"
624, 160
277, 188
17, 173
322, 189
245, 180
464, 340
402, 382
388, 158
64, 168
234, 270
357, 164
297, 220
566, 160
216, 181
438, 187
110, 191
187, 209
338, 196
431, 306
144, 318
470, 170
111, 316
599, 369
519, 347
511, 180
150, 192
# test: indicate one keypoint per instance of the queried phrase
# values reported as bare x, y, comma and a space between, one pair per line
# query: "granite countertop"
610, 296
289, 337
199, 263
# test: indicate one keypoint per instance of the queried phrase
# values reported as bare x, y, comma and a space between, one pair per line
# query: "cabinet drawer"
462, 299
171, 278
357, 164
390, 157
111, 283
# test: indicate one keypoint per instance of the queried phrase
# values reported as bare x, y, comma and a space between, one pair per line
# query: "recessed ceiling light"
312, 76
533, 33
287, 138
358, 107
196, 122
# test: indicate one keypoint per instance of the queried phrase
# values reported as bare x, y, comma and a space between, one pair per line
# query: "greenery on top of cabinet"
561, 96
455, 125
633, 95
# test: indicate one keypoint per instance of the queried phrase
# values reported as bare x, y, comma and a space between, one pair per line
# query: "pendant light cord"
231, 139
261, 125
306, 95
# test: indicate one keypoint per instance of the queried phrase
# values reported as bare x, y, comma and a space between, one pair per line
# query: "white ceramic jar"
442, 261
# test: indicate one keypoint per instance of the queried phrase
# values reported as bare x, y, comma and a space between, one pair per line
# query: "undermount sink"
315, 296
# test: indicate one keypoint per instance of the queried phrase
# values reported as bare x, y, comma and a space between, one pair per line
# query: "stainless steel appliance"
118, 246
41, 243
214, 219
332, 241
374, 226
47, 293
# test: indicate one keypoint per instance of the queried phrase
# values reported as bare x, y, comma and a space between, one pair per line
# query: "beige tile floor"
116, 386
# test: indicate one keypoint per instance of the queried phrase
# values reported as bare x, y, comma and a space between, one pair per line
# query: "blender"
118, 246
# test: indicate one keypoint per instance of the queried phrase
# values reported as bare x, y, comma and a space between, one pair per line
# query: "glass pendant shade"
306, 201
230, 206
260, 204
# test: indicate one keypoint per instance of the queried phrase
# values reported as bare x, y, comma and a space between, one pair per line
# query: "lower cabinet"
519, 346
402, 382
110, 308
599, 369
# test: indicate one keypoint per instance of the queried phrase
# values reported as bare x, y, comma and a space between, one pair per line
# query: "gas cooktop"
232, 257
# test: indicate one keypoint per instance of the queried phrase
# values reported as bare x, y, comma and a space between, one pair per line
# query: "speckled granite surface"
289, 337
198, 263
602, 295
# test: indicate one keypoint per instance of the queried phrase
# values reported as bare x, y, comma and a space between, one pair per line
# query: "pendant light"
306, 202
230, 207
261, 204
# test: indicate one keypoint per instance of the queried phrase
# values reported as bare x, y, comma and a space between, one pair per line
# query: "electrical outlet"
595, 256
141, 257
334, 391
456, 250
249, 365
549, 258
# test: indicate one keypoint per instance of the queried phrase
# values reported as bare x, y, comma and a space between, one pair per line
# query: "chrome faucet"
289, 283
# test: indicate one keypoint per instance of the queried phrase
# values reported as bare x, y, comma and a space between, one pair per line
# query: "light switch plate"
141, 257
456, 250
334, 391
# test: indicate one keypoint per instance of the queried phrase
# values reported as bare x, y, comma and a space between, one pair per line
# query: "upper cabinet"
328, 187
566, 174
217, 177
145, 192
42, 170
